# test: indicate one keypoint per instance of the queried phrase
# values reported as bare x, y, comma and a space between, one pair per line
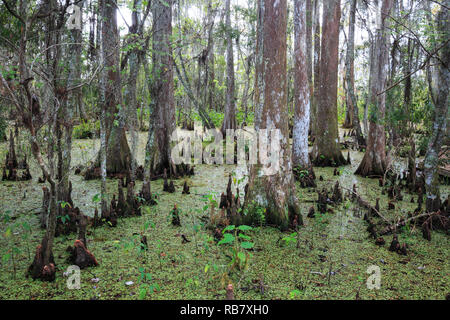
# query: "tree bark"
300, 156
209, 63
309, 50
440, 93
229, 121
409, 123
134, 63
276, 192
118, 157
163, 82
350, 77
328, 151
316, 69
374, 161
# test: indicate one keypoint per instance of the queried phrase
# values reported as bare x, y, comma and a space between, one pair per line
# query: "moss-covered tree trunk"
440, 94
374, 161
276, 192
327, 151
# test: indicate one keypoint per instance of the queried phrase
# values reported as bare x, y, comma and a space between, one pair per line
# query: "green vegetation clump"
86, 130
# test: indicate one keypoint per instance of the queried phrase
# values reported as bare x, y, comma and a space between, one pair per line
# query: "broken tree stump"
81, 256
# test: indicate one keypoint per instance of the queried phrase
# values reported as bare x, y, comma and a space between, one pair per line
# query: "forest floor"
330, 261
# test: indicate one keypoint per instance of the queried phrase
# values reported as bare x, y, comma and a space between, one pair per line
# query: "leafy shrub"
240, 117
240, 242
86, 130
216, 117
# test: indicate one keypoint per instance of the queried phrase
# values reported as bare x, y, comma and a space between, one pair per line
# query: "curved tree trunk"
374, 161
276, 192
327, 151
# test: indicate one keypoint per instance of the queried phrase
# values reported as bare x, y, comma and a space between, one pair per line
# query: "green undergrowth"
327, 259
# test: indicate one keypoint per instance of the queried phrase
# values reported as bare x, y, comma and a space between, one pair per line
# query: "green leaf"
245, 228
247, 245
245, 237
229, 228
241, 256
5, 257
96, 198
227, 238
294, 293
142, 293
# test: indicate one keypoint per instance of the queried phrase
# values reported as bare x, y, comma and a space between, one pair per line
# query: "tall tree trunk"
300, 156
245, 94
103, 106
374, 161
150, 146
66, 115
209, 64
316, 70
409, 123
309, 50
134, 64
348, 71
43, 265
328, 151
91, 52
275, 192
229, 120
392, 127
350, 76
163, 85
440, 93
118, 157
367, 94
